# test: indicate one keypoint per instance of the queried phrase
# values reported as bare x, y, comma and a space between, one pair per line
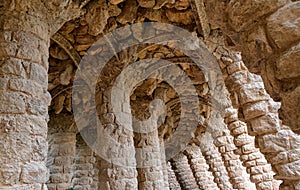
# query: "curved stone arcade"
247, 105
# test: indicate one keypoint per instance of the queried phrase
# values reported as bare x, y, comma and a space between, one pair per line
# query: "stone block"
266, 185
261, 177
13, 67
287, 65
234, 67
248, 148
34, 172
39, 75
243, 13
283, 26
12, 102
37, 107
256, 109
4, 83
289, 170
9, 174
26, 86
265, 124
243, 139
235, 80
240, 130
253, 92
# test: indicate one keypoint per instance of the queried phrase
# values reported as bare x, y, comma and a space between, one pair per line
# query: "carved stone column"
61, 152
24, 100
204, 178
83, 165
251, 157
173, 183
25, 31
214, 160
278, 143
150, 174
183, 171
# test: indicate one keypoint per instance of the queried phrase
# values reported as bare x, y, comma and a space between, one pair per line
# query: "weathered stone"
243, 13
13, 67
287, 66
265, 124
129, 11
289, 170
146, 3
10, 174
284, 26
185, 17
254, 110
252, 93
34, 172
12, 102
289, 111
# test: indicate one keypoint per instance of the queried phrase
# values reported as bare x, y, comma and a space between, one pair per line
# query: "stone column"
172, 180
25, 31
164, 163
149, 162
95, 184
61, 153
61, 159
216, 165
24, 100
278, 143
118, 170
260, 171
83, 166
183, 171
232, 162
199, 167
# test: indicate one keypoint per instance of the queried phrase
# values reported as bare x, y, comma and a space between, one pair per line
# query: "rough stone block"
12, 102
39, 75
265, 124
243, 139
9, 174
34, 172
3, 82
283, 26
255, 109
240, 130
253, 92
235, 80
243, 13
287, 65
289, 170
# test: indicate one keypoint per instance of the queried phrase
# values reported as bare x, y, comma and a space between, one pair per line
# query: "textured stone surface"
243, 13
266, 34
287, 65
284, 26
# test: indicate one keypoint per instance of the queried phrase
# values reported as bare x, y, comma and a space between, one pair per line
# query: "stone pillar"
172, 180
149, 162
83, 166
61, 159
95, 183
118, 170
216, 165
24, 100
199, 167
231, 161
25, 30
279, 144
164, 164
183, 172
251, 157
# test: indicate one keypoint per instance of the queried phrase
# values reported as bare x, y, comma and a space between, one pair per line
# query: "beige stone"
283, 25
